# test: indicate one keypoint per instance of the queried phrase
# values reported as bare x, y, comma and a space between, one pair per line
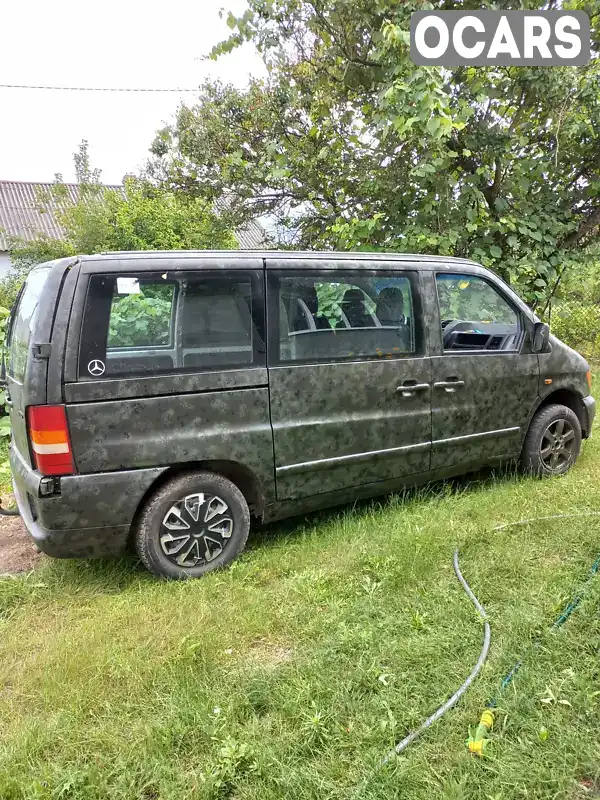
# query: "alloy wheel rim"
195, 530
558, 442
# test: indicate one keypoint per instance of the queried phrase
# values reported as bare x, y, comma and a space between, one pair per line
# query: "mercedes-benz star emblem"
96, 367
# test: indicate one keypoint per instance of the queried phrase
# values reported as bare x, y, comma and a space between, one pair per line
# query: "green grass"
291, 674
5, 480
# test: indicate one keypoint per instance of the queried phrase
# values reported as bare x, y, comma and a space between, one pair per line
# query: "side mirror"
541, 336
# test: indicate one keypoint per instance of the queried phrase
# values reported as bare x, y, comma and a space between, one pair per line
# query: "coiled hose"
8, 512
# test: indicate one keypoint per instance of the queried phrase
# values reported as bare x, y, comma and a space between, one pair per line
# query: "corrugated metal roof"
251, 237
20, 215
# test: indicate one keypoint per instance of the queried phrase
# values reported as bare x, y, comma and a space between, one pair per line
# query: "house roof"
21, 217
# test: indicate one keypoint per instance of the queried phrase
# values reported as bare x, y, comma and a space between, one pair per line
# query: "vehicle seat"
309, 296
355, 310
216, 324
390, 306
390, 313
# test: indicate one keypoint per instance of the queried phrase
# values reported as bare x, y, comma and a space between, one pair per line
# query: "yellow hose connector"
476, 744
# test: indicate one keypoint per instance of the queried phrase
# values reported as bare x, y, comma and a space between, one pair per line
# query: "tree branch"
586, 227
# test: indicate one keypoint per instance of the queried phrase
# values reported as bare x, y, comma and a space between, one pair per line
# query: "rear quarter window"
138, 325
23, 321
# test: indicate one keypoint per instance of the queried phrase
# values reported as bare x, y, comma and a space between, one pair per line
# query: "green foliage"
329, 297
138, 319
578, 325
461, 298
350, 145
574, 313
141, 217
25, 255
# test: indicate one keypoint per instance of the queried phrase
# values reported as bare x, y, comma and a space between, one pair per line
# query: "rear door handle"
408, 389
449, 386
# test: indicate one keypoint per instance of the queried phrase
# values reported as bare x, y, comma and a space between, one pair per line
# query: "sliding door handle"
449, 386
408, 389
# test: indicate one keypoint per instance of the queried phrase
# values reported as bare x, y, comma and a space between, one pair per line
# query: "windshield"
22, 323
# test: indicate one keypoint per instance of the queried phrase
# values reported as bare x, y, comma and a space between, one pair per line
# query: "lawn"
291, 674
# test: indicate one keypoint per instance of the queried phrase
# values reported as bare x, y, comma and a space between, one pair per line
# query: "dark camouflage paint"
33, 389
174, 430
339, 410
127, 433
289, 508
498, 393
60, 330
182, 383
565, 367
89, 510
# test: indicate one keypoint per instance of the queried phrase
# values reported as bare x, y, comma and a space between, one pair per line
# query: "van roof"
413, 258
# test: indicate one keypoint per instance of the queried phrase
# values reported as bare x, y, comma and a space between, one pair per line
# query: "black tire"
195, 523
552, 443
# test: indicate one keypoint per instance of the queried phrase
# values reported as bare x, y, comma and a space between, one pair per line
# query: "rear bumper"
590, 409
92, 515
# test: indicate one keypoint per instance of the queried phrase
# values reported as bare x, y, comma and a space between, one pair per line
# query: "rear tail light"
50, 440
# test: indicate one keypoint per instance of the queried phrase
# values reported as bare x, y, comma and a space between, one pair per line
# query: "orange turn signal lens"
588, 375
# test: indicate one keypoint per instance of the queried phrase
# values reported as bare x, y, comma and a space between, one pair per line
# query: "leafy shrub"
141, 319
9, 288
578, 325
329, 297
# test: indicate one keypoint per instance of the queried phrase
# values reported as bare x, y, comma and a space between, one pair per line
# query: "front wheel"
552, 443
195, 523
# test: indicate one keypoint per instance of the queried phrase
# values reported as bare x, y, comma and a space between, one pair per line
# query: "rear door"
349, 378
28, 345
485, 380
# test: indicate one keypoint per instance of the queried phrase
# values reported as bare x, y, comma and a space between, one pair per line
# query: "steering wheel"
451, 325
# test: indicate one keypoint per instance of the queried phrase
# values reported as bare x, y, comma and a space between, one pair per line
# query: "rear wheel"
195, 523
553, 442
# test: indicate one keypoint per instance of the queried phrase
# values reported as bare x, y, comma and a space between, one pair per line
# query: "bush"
137, 320
578, 325
9, 288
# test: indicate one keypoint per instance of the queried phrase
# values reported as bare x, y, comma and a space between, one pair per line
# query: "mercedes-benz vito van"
165, 398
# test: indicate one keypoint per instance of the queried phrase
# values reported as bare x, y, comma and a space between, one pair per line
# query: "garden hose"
8, 512
487, 634
476, 743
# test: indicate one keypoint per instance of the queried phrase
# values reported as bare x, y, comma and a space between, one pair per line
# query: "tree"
141, 216
350, 145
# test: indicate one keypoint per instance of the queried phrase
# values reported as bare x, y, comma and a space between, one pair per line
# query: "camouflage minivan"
164, 399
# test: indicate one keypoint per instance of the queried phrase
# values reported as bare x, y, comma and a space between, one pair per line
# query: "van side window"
474, 315
325, 317
155, 324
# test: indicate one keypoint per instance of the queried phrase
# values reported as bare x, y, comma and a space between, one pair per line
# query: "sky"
102, 43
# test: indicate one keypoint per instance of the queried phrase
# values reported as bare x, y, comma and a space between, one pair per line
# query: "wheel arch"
245, 480
570, 399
